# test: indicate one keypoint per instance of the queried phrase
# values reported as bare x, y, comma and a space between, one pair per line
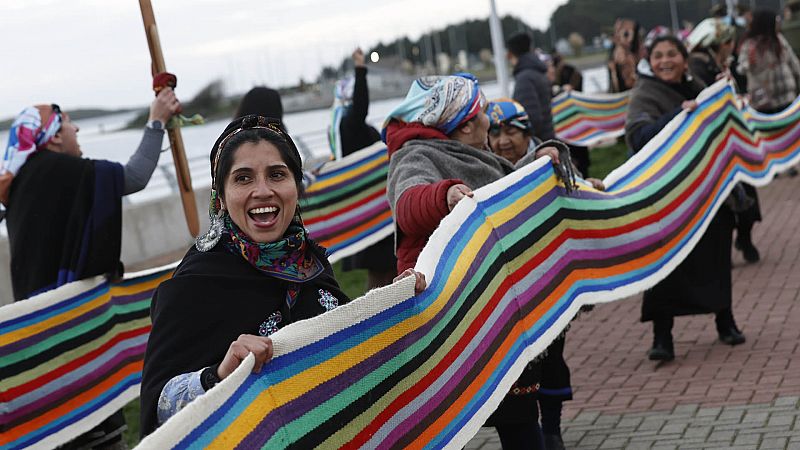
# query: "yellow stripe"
646, 176
297, 385
75, 353
38, 327
589, 105
319, 185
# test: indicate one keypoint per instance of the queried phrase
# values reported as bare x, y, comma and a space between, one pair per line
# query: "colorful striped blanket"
589, 119
71, 357
507, 271
345, 210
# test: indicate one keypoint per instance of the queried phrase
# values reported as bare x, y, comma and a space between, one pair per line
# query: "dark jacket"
653, 104
532, 90
64, 221
356, 133
211, 299
703, 66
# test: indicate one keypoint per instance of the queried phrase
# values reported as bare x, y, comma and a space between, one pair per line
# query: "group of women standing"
256, 270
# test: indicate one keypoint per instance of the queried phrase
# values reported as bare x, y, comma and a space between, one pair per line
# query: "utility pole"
499, 49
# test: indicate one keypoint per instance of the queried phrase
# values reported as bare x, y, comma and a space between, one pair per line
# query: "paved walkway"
711, 395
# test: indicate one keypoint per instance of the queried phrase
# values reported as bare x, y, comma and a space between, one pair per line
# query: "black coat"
532, 90
355, 132
212, 298
64, 221
702, 282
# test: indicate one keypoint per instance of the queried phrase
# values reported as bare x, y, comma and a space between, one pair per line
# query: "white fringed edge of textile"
286, 340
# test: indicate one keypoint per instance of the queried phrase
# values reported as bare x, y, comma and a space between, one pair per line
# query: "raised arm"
142, 163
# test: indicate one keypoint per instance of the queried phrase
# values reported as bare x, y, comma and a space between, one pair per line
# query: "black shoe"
792, 172
731, 336
553, 442
662, 349
749, 251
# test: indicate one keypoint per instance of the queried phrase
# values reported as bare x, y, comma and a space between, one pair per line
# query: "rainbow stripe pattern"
589, 119
71, 357
345, 210
507, 271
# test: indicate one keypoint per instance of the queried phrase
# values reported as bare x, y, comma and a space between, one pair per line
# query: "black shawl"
212, 298
64, 221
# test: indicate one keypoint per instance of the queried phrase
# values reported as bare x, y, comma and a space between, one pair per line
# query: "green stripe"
73, 332
314, 199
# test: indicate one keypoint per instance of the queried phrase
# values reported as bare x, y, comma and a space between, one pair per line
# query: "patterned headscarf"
441, 102
505, 111
342, 99
31, 130
289, 258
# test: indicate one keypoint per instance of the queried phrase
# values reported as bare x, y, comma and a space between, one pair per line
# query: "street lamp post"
673, 10
498, 47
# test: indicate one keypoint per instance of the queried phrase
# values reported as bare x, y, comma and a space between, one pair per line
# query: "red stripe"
72, 365
513, 278
367, 199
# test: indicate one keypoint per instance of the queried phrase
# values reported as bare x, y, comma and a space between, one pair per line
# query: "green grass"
604, 160
354, 282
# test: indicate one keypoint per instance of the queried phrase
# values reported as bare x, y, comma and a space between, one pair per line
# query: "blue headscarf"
441, 102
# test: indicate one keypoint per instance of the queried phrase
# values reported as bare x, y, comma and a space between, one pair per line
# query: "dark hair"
263, 101
281, 141
763, 32
671, 39
519, 44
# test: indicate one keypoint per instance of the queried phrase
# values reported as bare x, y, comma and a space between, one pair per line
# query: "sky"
93, 53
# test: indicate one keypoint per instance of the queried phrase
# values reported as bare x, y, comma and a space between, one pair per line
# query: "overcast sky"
81, 53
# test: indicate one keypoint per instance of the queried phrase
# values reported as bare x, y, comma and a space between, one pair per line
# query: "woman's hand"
689, 105
259, 346
164, 106
455, 193
420, 283
552, 152
358, 58
597, 184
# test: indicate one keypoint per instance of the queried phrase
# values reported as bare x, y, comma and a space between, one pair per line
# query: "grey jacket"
532, 90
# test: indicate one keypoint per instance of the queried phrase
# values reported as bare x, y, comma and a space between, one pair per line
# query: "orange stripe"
355, 231
71, 405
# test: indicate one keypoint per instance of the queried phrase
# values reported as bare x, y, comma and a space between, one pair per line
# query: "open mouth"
266, 215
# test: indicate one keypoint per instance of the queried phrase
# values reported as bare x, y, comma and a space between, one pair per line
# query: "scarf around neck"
289, 259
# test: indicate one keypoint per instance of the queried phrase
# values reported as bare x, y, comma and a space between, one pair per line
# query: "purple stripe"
612, 127
75, 321
75, 387
323, 232
354, 179
311, 399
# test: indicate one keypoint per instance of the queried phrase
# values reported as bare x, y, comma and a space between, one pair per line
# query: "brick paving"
712, 395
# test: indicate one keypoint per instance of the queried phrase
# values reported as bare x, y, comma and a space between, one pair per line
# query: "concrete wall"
149, 230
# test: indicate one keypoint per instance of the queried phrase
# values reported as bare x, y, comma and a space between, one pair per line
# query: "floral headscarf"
441, 102
31, 130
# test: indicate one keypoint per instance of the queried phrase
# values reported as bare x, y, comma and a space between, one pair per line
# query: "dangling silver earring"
209, 239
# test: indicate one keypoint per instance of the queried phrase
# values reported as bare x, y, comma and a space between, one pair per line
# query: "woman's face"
509, 142
667, 62
260, 192
66, 139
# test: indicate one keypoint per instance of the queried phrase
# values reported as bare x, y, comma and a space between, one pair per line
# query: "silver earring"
209, 239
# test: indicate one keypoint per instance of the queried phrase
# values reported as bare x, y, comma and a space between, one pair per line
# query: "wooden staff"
175, 138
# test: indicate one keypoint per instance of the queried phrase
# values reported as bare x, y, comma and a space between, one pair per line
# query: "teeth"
266, 209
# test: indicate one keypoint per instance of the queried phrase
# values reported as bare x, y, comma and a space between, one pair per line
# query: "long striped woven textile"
345, 209
589, 119
71, 357
507, 271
